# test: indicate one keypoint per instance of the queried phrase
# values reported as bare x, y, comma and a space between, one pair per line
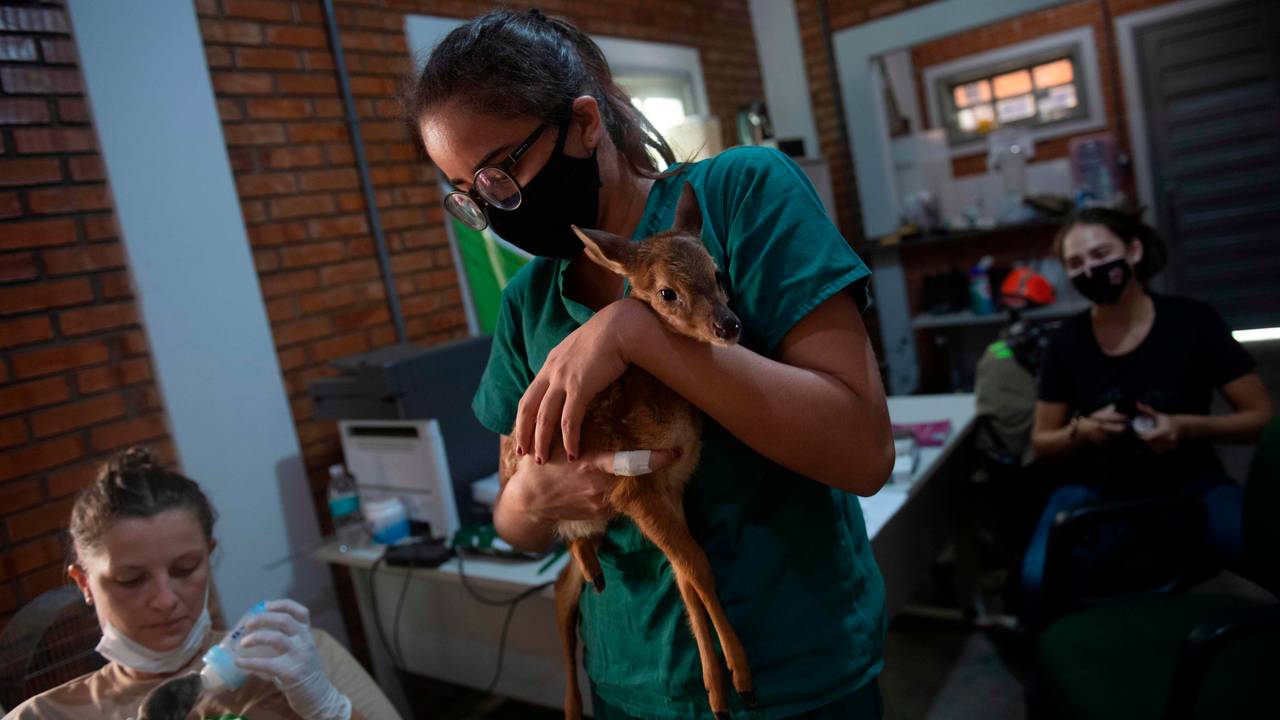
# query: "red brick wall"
282, 116
849, 13
75, 372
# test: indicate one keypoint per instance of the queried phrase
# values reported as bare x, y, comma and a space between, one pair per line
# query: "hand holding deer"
560, 490
579, 368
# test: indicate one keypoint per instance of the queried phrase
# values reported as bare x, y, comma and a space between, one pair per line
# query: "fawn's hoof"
748, 698
598, 583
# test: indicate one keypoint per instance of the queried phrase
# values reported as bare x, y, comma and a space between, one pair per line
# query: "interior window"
1039, 92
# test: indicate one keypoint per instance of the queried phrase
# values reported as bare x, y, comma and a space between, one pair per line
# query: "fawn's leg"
712, 673
734, 655
665, 527
584, 552
568, 589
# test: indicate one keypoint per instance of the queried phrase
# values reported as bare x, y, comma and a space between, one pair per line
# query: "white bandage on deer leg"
632, 462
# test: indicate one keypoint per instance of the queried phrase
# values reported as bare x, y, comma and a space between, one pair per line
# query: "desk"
446, 634
909, 522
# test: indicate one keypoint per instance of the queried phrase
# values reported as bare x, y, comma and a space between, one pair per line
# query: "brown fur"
638, 412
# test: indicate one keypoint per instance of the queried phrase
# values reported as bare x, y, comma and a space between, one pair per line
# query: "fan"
49, 641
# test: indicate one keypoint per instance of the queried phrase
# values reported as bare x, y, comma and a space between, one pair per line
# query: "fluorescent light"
1257, 334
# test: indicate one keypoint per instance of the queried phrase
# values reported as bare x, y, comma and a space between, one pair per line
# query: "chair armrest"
1203, 644
1139, 548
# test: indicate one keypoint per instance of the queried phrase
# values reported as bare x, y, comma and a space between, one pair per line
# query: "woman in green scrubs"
521, 113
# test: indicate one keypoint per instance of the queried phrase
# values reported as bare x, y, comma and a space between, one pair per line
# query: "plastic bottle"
220, 671
980, 298
344, 507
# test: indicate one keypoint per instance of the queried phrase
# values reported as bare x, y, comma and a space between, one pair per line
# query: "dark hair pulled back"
513, 64
1128, 227
133, 484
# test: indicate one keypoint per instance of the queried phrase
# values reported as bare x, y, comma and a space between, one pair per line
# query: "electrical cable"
393, 647
404, 590
377, 615
510, 603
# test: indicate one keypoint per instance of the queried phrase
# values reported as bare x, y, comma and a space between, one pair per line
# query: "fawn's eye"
667, 295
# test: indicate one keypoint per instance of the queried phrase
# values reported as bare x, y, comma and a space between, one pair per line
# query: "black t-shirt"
1188, 353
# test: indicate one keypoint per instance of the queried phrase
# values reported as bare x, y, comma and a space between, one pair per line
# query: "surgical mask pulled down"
120, 648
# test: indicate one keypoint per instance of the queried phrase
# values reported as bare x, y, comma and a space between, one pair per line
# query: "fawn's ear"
606, 249
688, 214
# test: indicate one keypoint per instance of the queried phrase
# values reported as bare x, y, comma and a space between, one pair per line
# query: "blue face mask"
565, 192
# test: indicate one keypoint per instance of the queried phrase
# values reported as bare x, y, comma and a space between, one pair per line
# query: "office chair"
1163, 654
49, 641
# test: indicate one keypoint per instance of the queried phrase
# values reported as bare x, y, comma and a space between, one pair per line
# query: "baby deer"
675, 275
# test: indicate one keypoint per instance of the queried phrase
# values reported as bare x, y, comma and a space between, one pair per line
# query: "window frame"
1076, 44
682, 82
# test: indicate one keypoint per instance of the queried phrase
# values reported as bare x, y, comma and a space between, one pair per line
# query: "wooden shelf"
966, 318
931, 238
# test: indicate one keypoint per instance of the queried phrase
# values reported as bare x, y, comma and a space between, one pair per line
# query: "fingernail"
572, 457
519, 450
678, 452
538, 460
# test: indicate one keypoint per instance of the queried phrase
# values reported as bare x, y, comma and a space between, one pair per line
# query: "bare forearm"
519, 527
513, 522
807, 421
1055, 443
1243, 426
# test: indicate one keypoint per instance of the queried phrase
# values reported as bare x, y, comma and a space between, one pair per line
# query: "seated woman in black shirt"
1125, 388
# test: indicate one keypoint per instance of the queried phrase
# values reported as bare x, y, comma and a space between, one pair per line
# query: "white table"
446, 634
909, 522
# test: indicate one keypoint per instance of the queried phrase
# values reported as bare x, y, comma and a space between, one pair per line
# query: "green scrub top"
793, 565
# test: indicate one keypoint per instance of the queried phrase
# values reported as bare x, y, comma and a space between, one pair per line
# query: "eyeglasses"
491, 186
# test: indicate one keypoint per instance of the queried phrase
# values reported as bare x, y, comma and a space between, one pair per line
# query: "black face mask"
566, 191
1104, 283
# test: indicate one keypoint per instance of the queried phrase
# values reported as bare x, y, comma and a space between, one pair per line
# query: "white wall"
856, 46
786, 86
900, 75
215, 362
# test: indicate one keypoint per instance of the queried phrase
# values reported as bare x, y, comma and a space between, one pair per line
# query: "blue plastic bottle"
220, 669
980, 299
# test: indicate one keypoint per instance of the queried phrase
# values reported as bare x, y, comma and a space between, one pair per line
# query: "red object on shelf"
1024, 287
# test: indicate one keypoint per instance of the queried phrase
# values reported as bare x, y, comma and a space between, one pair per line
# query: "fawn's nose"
727, 328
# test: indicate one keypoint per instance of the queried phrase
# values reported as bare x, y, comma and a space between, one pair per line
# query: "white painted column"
786, 86
157, 121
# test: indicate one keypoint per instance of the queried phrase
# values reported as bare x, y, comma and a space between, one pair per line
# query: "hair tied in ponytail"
512, 64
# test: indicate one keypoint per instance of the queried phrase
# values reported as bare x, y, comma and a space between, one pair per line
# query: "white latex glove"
298, 671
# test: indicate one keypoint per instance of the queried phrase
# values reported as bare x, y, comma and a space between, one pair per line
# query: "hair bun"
129, 461
137, 458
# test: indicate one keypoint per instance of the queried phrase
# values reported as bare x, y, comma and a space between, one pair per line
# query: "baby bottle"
220, 670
